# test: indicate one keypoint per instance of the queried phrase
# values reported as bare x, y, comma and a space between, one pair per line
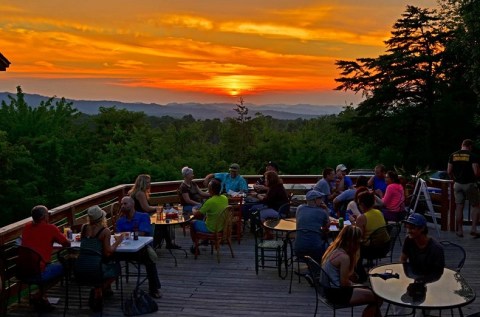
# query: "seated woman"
189, 192
339, 262
393, 203
313, 216
370, 220
210, 209
275, 197
140, 193
353, 208
96, 236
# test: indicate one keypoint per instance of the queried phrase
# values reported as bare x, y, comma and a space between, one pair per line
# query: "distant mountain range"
200, 111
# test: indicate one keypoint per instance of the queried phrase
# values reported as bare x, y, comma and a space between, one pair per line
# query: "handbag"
139, 303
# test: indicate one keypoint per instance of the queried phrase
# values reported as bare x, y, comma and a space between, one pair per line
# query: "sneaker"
155, 293
95, 302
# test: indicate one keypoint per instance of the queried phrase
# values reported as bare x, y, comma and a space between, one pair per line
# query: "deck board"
203, 287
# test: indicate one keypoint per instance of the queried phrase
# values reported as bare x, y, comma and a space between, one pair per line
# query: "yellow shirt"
375, 220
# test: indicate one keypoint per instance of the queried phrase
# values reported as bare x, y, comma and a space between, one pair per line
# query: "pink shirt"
394, 197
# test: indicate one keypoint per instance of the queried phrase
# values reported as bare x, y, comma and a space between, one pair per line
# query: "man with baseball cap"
342, 181
424, 254
231, 181
313, 216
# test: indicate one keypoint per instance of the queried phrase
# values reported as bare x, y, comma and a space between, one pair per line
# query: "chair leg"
231, 250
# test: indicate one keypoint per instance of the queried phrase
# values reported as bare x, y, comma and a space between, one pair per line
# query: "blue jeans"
51, 271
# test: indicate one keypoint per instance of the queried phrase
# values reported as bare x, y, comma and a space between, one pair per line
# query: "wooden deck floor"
203, 287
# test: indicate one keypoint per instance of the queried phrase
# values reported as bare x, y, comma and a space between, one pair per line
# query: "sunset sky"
161, 51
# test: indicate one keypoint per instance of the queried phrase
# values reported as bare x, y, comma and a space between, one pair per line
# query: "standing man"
463, 168
231, 181
39, 236
126, 223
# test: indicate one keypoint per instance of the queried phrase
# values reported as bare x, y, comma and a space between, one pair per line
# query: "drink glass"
159, 212
180, 212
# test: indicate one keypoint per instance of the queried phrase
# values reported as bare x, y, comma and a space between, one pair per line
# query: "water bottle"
340, 223
135, 230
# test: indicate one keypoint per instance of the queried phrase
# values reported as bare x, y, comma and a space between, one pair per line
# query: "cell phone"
388, 271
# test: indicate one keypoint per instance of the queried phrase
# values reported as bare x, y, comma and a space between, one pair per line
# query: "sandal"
156, 294
95, 301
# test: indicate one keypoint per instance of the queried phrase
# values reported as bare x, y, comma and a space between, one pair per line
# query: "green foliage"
418, 100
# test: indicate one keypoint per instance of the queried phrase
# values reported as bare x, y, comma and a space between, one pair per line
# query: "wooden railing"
74, 213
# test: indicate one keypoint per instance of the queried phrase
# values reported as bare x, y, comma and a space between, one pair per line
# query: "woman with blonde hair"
339, 262
96, 236
140, 193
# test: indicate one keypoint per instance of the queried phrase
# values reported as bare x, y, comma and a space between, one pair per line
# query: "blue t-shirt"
379, 183
143, 219
348, 182
324, 187
313, 218
236, 184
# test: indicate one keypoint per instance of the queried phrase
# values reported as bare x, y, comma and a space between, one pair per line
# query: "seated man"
314, 216
39, 236
231, 182
323, 186
423, 253
341, 201
342, 182
210, 209
126, 223
377, 182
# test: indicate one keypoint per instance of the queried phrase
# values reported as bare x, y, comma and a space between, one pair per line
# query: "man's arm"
207, 179
476, 170
450, 171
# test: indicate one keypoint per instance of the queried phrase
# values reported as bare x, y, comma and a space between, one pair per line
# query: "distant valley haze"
199, 111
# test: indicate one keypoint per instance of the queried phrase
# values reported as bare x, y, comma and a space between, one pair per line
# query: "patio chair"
88, 271
218, 236
28, 272
322, 281
268, 253
284, 210
454, 255
372, 250
290, 241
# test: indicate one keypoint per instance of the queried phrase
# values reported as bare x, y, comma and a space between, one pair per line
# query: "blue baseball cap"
314, 194
417, 220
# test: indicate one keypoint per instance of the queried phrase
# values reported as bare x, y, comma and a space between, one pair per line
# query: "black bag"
139, 303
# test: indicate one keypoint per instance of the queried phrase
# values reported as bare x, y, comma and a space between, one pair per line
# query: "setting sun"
189, 51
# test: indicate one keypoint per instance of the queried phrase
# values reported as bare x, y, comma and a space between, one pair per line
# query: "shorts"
52, 270
339, 296
200, 226
468, 191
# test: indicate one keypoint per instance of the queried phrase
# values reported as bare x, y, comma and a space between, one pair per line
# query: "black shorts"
339, 296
